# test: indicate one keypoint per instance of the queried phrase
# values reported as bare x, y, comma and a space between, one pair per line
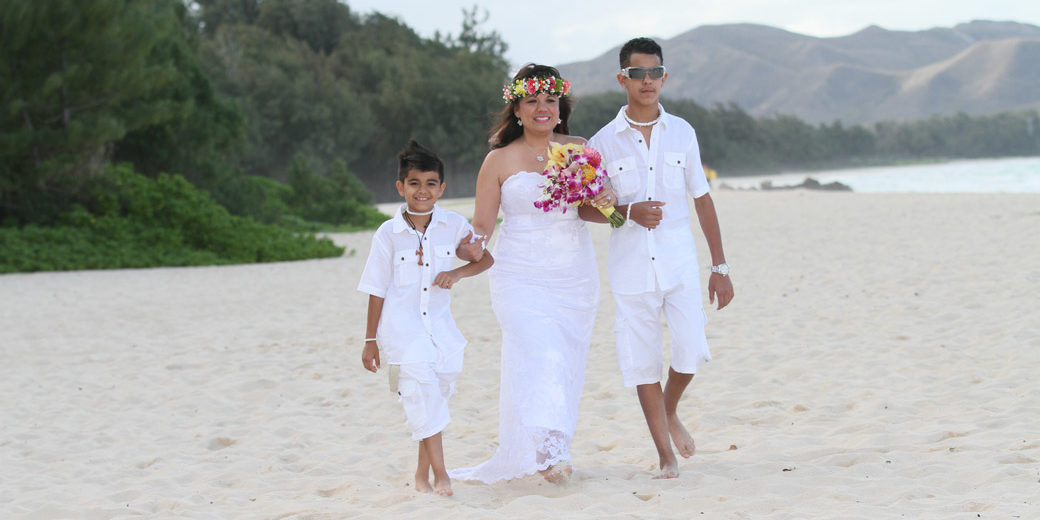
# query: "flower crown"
524, 87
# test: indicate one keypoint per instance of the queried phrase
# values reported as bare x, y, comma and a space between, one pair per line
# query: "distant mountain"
875, 74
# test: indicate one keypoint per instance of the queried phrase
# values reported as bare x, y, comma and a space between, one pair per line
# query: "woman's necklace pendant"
541, 158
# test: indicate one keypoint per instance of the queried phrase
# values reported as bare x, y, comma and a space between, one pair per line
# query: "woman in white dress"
544, 284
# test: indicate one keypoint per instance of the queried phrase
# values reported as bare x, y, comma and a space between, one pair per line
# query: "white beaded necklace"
410, 212
637, 123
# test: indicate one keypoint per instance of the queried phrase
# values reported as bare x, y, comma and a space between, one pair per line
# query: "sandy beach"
881, 360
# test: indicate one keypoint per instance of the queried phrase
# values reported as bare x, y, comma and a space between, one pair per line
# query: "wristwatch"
722, 269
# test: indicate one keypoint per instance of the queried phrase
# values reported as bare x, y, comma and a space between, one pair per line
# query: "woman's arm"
489, 195
447, 279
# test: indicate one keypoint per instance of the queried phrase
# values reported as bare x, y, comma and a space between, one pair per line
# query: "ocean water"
1013, 175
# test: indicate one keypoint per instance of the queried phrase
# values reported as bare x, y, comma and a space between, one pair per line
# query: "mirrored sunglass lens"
641, 72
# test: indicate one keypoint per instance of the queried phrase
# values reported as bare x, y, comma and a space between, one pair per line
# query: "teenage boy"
653, 161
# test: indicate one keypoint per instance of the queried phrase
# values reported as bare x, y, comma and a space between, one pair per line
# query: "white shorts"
639, 333
424, 396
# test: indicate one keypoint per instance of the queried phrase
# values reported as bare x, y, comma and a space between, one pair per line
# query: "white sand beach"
881, 359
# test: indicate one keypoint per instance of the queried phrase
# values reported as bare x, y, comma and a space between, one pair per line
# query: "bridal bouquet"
573, 175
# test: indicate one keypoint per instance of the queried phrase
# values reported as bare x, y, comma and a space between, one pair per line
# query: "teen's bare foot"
442, 485
422, 484
557, 474
680, 437
668, 470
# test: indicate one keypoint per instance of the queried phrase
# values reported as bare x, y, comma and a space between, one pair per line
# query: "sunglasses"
641, 72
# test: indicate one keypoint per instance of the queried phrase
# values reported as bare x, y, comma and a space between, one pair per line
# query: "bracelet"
628, 213
369, 339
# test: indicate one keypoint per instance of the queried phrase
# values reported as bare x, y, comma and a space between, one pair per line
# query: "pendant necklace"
421, 236
539, 156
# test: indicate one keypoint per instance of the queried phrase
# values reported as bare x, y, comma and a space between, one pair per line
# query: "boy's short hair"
639, 46
415, 156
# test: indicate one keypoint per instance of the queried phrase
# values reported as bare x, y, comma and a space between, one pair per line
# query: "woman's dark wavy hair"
507, 130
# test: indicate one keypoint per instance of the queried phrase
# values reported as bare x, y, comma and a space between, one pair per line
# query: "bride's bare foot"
422, 484
442, 485
557, 474
680, 437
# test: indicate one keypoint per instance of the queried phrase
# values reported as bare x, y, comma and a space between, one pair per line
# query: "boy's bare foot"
422, 484
668, 470
557, 474
680, 437
442, 485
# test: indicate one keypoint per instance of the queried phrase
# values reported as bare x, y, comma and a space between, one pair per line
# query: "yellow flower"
557, 154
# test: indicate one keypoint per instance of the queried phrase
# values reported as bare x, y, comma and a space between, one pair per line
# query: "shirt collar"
620, 124
400, 224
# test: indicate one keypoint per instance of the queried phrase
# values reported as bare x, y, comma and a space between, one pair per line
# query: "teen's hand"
471, 248
647, 213
446, 279
370, 356
722, 287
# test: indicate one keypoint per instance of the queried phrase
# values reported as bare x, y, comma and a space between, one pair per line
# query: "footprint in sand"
220, 443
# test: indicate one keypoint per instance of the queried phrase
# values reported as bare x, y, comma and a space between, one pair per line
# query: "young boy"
653, 161
408, 272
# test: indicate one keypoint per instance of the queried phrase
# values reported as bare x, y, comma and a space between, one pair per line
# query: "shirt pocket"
623, 177
445, 258
406, 267
674, 170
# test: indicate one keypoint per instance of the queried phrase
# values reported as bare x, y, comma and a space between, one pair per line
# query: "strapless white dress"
544, 291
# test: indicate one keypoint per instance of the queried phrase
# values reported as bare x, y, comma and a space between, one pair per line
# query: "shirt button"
651, 168
427, 265
424, 313
653, 258
424, 288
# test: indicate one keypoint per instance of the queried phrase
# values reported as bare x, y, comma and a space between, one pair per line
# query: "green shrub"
338, 198
142, 222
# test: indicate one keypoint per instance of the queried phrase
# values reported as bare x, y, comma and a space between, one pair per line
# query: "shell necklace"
637, 123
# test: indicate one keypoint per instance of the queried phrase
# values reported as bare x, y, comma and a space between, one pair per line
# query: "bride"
544, 284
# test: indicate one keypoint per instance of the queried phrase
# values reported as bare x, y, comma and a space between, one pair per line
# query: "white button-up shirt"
642, 259
416, 321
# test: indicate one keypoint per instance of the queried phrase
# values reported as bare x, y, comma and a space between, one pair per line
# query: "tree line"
733, 142
272, 106
290, 112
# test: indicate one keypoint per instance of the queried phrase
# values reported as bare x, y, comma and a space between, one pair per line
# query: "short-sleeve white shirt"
641, 259
416, 321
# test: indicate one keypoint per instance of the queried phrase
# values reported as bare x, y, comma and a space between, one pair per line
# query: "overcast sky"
566, 31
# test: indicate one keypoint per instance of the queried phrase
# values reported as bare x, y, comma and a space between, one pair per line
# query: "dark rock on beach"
808, 184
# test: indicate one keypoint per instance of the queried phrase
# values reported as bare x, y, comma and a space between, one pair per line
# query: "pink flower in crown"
532, 85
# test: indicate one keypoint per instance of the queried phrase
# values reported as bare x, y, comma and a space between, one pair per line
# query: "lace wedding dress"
544, 291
